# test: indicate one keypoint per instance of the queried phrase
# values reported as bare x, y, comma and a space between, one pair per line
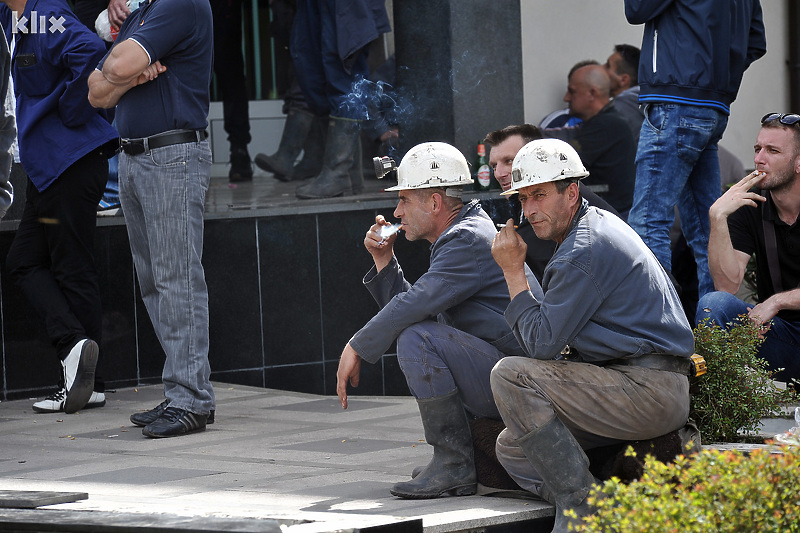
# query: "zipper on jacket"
655, 49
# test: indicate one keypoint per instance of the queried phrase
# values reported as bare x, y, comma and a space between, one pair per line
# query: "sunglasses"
789, 119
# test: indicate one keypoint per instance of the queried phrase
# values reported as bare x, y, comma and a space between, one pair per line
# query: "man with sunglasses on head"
759, 215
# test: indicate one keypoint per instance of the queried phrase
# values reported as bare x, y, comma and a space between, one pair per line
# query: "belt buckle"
132, 147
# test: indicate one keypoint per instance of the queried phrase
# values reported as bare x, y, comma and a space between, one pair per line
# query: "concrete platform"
293, 460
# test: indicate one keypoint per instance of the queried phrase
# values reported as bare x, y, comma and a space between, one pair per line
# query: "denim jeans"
163, 197
781, 346
438, 359
677, 164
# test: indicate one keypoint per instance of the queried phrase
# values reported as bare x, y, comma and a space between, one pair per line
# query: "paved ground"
271, 454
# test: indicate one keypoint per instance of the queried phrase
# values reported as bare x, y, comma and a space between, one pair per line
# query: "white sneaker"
55, 402
79, 374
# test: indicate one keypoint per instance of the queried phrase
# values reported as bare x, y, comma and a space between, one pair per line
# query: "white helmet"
430, 165
542, 161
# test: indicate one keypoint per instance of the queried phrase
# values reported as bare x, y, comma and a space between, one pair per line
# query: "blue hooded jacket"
695, 52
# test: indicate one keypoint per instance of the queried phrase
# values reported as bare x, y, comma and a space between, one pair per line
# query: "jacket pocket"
32, 76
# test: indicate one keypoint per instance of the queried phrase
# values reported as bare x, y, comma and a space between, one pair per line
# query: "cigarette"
503, 226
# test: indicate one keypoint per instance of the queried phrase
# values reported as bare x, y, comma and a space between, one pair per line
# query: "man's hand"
737, 196
150, 73
349, 371
117, 12
381, 249
508, 249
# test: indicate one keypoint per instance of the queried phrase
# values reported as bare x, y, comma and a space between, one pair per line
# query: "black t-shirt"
747, 235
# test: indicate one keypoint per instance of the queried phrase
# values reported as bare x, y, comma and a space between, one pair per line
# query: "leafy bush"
719, 491
736, 392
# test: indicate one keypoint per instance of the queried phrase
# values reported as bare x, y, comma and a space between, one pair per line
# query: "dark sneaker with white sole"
145, 418
174, 422
79, 368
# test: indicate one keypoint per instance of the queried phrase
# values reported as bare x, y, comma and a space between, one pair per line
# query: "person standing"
64, 148
158, 75
694, 54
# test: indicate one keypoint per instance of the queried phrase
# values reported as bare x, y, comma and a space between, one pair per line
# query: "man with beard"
764, 221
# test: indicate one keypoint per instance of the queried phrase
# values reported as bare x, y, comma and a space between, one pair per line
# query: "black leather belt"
668, 363
143, 145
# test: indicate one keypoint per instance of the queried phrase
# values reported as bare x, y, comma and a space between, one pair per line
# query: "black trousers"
52, 255
229, 68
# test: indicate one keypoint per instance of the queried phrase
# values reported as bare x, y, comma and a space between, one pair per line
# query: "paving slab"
294, 458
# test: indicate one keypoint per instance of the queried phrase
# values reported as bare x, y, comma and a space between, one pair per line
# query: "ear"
573, 193
624, 79
436, 202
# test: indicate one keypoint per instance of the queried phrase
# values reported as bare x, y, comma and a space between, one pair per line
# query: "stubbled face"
548, 211
501, 158
777, 153
414, 211
612, 67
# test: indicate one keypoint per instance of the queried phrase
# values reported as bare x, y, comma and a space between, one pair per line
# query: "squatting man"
449, 325
604, 366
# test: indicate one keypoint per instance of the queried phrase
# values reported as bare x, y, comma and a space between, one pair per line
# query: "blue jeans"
438, 359
677, 164
163, 197
781, 346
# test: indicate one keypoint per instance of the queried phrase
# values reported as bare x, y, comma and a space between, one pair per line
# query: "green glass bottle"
483, 177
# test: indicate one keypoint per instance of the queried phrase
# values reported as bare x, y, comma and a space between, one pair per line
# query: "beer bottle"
483, 178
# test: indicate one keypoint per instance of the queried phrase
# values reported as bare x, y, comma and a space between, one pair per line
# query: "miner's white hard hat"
432, 165
542, 161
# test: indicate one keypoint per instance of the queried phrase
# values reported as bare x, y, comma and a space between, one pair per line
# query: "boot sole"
461, 490
83, 386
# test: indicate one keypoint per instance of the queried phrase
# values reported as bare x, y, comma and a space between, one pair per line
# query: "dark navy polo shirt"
179, 34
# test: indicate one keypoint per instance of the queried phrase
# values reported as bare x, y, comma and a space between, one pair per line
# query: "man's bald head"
589, 90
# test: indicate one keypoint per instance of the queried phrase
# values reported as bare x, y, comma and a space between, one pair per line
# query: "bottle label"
481, 150
484, 175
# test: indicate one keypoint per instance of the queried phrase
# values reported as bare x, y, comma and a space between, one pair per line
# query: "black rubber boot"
452, 469
313, 151
564, 468
340, 149
295, 132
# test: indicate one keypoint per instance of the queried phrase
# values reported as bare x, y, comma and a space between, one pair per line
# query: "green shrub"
712, 491
736, 392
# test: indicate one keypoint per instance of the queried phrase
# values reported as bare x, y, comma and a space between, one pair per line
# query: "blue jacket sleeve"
641, 11
454, 276
757, 45
544, 326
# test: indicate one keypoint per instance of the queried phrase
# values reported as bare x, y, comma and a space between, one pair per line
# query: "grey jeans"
599, 405
163, 197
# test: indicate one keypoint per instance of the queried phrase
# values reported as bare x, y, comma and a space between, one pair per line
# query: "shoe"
241, 169
55, 402
79, 374
174, 422
145, 418
109, 209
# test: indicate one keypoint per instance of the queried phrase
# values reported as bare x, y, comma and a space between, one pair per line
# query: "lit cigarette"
503, 226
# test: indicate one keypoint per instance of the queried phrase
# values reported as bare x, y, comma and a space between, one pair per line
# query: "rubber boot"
295, 132
340, 148
313, 151
452, 469
564, 468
